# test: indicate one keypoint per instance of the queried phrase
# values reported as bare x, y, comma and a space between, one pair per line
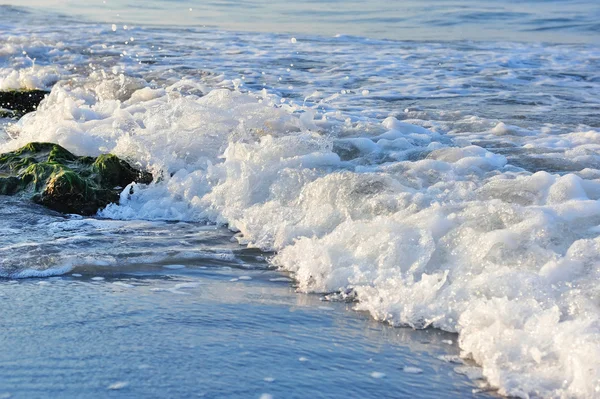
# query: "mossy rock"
16, 103
54, 177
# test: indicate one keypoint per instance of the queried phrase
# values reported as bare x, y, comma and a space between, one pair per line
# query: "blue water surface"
528, 20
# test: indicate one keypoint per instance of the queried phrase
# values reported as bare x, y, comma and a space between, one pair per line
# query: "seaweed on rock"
54, 177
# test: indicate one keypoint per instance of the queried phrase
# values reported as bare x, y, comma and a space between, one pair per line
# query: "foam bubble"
118, 385
412, 370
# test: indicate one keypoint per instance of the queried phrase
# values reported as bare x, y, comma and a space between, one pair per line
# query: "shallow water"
529, 20
134, 334
444, 184
205, 318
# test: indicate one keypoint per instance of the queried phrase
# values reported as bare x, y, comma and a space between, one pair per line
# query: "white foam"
28, 78
426, 229
124, 285
412, 370
182, 286
327, 308
28, 273
451, 359
118, 385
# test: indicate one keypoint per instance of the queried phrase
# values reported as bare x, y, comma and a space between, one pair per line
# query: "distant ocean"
434, 165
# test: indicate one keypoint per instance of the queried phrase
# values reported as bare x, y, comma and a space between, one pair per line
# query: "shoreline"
195, 309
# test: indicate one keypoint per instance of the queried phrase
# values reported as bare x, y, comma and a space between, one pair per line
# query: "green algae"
54, 177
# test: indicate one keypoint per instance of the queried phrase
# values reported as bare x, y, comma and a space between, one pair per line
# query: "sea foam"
423, 228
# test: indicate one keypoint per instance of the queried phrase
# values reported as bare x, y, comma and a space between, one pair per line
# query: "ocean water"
433, 165
218, 324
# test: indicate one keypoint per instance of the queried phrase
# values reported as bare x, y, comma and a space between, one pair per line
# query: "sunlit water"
529, 20
427, 181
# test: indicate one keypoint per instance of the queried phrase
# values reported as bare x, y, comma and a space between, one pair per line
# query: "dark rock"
52, 176
16, 103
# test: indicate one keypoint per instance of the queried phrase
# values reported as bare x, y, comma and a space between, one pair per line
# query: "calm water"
530, 20
432, 165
